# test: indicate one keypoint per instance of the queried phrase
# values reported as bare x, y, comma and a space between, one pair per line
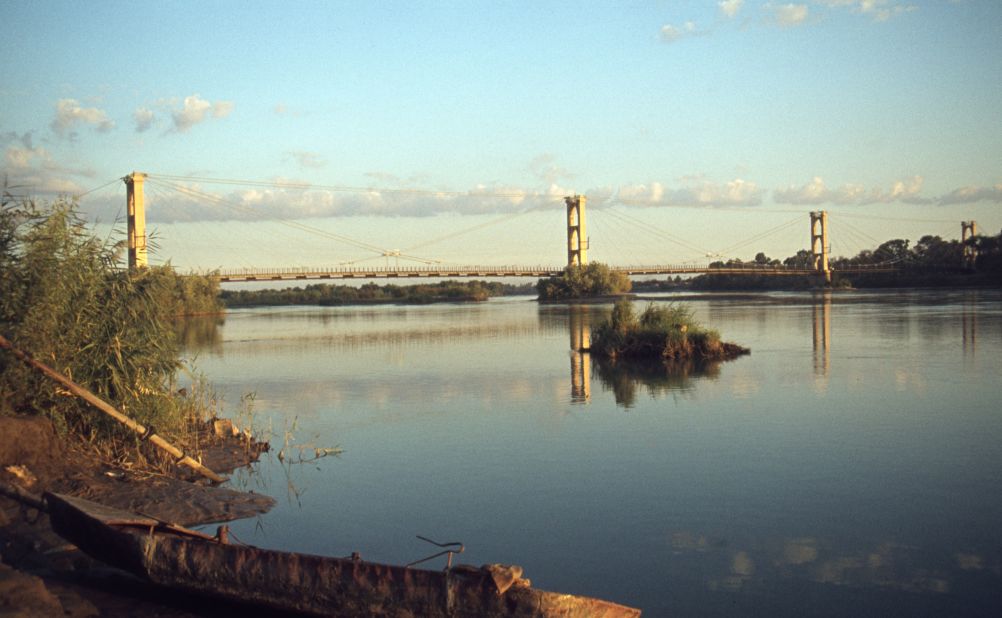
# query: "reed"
66, 301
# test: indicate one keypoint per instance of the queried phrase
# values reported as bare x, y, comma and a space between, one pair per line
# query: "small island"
660, 332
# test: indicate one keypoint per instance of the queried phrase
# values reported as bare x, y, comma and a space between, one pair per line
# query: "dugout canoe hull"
188, 560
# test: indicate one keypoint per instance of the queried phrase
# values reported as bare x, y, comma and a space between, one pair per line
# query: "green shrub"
65, 301
666, 332
594, 279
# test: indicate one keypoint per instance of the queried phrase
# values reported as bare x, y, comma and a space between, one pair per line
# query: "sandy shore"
43, 575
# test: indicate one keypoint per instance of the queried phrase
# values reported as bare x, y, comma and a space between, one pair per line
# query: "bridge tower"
968, 230
136, 220
819, 244
577, 239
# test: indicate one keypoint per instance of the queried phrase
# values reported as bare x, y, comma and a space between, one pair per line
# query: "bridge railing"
319, 272
444, 271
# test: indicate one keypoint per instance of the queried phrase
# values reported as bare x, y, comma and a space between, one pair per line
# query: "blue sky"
710, 121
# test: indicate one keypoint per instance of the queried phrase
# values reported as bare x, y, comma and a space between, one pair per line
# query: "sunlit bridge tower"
577, 238
136, 209
968, 230
819, 244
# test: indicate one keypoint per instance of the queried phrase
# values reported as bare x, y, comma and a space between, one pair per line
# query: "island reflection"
626, 378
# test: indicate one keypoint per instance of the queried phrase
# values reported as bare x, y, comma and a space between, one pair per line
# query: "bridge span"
396, 272
577, 246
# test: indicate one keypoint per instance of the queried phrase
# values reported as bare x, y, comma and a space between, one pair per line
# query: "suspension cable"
758, 237
194, 193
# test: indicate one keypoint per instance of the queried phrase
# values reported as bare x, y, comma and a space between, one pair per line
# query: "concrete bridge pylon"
819, 245
577, 238
135, 203
968, 230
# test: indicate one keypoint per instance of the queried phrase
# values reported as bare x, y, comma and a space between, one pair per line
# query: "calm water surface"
849, 466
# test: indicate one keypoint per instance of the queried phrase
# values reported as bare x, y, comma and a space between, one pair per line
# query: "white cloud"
816, 192
69, 115
307, 159
31, 169
879, 10
20, 158
970, 195
195, 110
299, 199
143, 118
222, 109
545, 168
670, 33
730, 8
789, 14
697, 192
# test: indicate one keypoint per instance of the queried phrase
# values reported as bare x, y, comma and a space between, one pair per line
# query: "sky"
451, 130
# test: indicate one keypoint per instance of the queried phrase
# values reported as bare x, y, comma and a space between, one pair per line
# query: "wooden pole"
100, 404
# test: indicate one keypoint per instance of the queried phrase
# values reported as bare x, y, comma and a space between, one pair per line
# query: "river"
850, 466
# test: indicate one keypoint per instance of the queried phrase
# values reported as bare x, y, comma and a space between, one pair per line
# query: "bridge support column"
136, 220
577, 239
819, 244
968, 230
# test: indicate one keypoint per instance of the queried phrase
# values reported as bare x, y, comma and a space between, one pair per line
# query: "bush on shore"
65, 300
664, 332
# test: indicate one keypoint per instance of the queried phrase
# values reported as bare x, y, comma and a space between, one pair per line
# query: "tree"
594, 279
892, 251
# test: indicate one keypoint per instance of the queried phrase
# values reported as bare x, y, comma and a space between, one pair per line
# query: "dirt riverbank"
43, 575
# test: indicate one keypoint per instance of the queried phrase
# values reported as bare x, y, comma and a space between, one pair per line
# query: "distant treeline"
932, 261
325, 294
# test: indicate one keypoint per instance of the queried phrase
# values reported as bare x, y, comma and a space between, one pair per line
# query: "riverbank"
330, 295
40, 574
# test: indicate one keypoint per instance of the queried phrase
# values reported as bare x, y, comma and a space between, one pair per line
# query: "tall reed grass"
67, 301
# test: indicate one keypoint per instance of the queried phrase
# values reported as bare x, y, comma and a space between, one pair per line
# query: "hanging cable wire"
880, 218
110, 182
613, 228
346, 189
655, 231
194, 193
757, 237
844, 223
479, 226
426, 192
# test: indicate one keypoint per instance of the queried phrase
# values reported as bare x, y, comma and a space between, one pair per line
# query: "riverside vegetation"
588, 281
325, 294
65, 300
660, 332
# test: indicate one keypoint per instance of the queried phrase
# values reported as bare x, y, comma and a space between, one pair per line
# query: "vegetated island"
593, 281
661, 332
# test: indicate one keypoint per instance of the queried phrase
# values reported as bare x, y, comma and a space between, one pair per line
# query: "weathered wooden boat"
189, 560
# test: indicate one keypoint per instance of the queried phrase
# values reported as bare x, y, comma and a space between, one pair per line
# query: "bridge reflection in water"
579, 320
623, 378
822, 323
969, 324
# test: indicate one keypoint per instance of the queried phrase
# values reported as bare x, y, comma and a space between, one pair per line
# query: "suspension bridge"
574, 224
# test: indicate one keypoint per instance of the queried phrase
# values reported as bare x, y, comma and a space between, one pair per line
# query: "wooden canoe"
184, 559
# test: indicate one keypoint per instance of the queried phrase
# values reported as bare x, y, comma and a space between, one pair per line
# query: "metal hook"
449, 552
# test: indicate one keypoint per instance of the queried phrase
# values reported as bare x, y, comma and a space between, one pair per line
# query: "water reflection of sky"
848, 466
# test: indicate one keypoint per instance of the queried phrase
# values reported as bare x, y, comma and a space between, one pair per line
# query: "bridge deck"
309, 273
